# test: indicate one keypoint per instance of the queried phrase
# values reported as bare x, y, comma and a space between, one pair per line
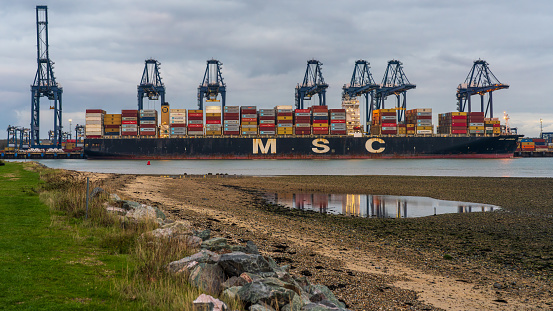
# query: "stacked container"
148, 123
195, 122
302, 120
285, 120
164, 129
384, 122
177, 123
213, 120
540, 144
338, 122
353, 115
248, 120
129, 122
112, 124
421, 118
320, 120
492, 126
452, 123
267, 122
94, 127
476, 122
527, 144
231, 120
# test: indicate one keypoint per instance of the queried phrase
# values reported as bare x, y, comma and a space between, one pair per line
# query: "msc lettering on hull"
270, 146
370, 143
320, 145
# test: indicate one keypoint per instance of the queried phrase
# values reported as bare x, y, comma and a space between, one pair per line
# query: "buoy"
148, 163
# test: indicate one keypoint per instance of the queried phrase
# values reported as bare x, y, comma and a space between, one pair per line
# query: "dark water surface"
375, 206
518, 167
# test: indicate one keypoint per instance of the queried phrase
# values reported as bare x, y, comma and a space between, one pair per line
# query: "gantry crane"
361, 84
45, 82
212, 85
313, 83
481, 81
395, 82
150, 85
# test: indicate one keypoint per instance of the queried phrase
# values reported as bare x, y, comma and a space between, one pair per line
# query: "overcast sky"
99, 48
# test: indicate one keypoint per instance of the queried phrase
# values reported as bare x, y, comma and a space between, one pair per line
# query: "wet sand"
495, 261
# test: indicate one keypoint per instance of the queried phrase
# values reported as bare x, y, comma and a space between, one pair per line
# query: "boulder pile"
238, 272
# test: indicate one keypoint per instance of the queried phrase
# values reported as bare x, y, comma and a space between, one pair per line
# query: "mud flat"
499, 260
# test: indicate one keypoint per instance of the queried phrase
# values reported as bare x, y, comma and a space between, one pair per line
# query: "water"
375, 206
518, 167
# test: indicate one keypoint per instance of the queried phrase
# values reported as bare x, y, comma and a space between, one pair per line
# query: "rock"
207, 277
128, 205
203, 299
251, 248
116, 210
204, 235
193, 242
215, 244
231, 293
176, 230
497, 285
233, 282
204, 256
261, 307
96, 192
295, 305
325, 294
236, 263
250, 277
317, 307
238, 248
114, 197
266, 291
143, 212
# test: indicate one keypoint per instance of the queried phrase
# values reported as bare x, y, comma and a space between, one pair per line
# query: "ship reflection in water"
375, 206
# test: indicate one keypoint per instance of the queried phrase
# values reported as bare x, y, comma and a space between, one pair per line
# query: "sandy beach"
476, 261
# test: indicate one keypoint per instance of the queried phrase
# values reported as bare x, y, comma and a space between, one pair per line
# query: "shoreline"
387, 263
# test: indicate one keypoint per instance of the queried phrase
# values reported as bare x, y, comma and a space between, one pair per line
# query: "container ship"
233, 132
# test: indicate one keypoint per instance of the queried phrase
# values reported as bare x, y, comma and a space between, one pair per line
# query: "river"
517, 167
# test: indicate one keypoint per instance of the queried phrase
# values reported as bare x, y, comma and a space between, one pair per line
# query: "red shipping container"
145, 126
213, 118
249, 119
267, 118
195, 125
264, 125
337, 121
306, 119
95, 111
178, 125
248, 111
128, 122
388, 114
195, 114
231, 114
93, 136
458, 117
335, 132
458, 131
389, 124
231, 132
285, 122
499, 125
302, 111
285, 114
129, 133
213, 122
110, 126
337, 110
424, 117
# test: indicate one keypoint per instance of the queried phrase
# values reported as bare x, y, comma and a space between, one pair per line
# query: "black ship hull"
312, 147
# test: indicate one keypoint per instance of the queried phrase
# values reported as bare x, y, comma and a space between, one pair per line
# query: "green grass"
45, 264
52, 258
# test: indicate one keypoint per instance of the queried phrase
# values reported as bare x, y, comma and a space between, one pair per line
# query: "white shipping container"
285, 107
476, 124
147, 122
249, 126
94, 122
320, 114
303, 124
424, 131
195, 122
177, 111
236, 122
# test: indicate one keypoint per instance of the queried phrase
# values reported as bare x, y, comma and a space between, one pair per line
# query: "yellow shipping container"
213, 132
458, 113
249, 123
112, 115
195, 111
320, 124
527, 143
284, 118
213, 114
476, 128
424, 128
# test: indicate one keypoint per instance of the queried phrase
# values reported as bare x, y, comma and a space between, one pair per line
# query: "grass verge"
55, 259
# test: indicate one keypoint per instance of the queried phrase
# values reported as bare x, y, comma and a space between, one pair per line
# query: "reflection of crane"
212, 85
313, 83
395, 82
481, 81
150, 85
45, 82
361, 84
